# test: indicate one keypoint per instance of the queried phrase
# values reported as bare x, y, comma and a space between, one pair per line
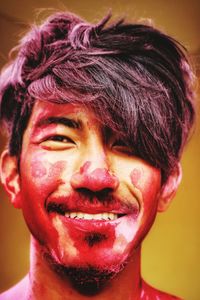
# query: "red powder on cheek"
57, 168
38, 170
136, 175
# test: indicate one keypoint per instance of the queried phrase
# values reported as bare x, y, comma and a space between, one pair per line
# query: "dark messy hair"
136, 79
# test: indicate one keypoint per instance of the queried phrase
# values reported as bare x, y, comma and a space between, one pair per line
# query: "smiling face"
85, 197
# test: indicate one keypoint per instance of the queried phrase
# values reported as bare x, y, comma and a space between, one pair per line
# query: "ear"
10, 177
168, 191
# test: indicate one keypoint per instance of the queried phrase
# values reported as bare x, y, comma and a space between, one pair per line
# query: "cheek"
38, 165
56, 169
44, 179
42, 176
136, 175
125, 235
38, 170
42, 169
147, 181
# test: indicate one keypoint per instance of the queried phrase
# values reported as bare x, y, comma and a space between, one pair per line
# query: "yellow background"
170, 258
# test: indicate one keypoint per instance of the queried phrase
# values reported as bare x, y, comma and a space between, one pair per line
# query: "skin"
69, 166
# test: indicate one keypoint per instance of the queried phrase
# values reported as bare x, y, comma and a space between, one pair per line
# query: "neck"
44, 283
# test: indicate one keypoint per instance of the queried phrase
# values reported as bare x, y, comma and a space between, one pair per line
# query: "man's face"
85, 197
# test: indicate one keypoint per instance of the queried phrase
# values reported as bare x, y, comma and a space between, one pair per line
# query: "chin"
86, 279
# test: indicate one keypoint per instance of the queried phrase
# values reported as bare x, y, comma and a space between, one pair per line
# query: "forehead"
43, 110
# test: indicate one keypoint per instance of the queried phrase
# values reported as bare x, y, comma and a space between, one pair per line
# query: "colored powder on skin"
57, 168
97, 235
38, 170
85, 167
136, 175
96, 180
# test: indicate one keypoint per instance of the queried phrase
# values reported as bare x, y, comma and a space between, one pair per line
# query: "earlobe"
10, 177
169, 189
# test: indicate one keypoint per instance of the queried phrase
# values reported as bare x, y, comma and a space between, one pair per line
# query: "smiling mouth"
107, 216
84, 213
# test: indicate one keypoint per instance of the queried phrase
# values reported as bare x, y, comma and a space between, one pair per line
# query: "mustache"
90, 202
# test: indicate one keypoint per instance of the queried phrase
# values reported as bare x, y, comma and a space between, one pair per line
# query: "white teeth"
85, 216
73, 215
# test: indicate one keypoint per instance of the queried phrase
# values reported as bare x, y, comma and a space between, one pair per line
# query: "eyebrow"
71, 123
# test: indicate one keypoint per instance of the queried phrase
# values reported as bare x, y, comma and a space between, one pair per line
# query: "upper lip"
63, 204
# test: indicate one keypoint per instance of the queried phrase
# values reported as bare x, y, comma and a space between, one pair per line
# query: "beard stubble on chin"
88, 280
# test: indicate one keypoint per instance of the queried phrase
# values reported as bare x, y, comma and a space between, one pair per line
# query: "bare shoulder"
149, 292
17, 292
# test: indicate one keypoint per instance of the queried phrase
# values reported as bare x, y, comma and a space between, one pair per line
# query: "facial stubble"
87, 280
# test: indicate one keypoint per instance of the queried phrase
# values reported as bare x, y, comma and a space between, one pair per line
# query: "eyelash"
59, 138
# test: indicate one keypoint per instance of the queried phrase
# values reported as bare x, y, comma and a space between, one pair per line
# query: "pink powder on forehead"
48, 109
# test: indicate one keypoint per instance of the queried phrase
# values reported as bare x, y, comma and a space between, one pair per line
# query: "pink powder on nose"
98, 179
85, 167
102, 178
135, 175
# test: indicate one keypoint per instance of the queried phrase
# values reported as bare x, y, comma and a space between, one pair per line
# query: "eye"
57, 142
121, 146
60, 138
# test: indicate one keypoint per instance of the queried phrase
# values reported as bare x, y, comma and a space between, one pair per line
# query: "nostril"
85, 192
101, 194
105, 192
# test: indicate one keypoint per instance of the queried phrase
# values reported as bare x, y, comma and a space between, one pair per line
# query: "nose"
94, 180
